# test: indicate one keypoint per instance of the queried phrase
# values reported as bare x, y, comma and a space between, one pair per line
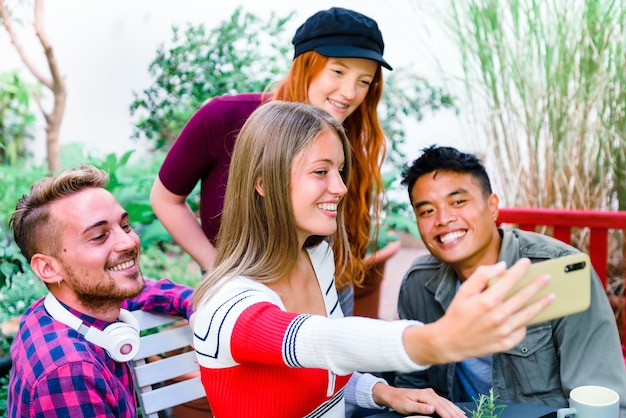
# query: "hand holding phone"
570, 283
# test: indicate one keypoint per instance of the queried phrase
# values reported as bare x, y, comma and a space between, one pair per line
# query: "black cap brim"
350, 51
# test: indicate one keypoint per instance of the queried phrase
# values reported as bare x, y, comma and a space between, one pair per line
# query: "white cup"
591, 402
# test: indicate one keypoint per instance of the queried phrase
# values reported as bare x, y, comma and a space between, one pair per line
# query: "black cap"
341, 33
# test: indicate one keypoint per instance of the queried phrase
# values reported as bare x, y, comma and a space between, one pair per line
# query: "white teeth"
337, 104
451, 236
328, 206
123, 266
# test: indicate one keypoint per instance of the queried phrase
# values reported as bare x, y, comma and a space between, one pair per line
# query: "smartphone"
570, 283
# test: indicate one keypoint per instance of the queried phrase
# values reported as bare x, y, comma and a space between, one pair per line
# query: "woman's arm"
246, 318
180, 221
479, 320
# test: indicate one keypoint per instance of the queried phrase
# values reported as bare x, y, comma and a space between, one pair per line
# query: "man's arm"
163, 296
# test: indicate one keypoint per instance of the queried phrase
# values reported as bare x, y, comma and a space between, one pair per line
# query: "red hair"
368, 152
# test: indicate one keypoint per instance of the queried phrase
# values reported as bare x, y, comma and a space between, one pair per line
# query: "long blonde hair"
368, 145
257, 236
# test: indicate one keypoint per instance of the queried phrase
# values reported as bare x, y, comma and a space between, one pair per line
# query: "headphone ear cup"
122, 341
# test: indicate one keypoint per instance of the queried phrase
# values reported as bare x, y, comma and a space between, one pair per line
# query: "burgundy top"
202, 153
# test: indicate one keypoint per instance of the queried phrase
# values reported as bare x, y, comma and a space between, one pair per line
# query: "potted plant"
486, 406
396, 220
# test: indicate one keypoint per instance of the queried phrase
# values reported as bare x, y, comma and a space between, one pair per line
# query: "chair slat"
166, 369
563, 233
172, 395
164, 341
149, 320
599, 241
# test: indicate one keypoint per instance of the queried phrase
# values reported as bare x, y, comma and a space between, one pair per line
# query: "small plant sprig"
486, 406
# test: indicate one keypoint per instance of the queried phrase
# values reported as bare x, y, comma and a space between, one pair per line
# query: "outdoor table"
512, 410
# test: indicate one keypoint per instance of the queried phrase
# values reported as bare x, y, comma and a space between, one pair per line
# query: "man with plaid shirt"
70, 355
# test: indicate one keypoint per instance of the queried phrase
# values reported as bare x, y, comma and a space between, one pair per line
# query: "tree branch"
39, 103
8, 24
57, 84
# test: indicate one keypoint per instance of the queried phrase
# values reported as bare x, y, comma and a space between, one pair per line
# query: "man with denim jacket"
456, 211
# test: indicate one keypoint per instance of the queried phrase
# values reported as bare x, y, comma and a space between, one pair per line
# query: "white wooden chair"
153, 379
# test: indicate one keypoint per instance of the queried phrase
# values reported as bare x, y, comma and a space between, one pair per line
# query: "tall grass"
546, 85
546, 80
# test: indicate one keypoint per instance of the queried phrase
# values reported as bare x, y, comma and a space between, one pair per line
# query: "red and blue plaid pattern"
57, 373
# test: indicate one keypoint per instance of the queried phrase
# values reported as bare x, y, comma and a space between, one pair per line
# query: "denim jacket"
554, 357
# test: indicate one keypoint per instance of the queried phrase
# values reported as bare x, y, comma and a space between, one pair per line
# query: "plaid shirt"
57, 373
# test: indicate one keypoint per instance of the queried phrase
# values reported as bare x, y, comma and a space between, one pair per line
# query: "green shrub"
242, 54
24, 290
4, 392
165, 259
16, 119
15, 182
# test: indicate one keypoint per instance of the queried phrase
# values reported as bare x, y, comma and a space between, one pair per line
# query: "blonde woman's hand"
479, 321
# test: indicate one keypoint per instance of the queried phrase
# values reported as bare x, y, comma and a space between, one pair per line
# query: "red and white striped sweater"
258, 360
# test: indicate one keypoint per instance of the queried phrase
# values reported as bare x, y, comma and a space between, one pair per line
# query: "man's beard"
103, 295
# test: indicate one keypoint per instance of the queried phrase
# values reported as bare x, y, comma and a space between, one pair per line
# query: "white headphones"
120, 339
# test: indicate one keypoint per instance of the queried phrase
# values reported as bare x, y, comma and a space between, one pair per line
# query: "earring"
59, 283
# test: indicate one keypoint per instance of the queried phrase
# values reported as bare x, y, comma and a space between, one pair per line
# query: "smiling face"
317, 186
99, 251
456, 221
342, 85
